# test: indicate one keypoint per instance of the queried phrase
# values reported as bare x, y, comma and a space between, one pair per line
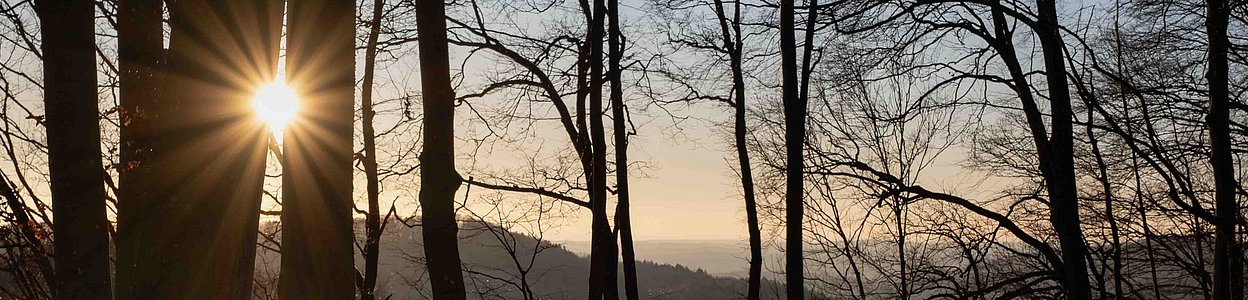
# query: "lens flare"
276, 105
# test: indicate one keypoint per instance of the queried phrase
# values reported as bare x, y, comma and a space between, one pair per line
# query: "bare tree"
1228, 271
439, 180
623, 219
372, 220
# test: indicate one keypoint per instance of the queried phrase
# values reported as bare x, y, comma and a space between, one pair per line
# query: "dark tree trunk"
601, 251
794, 137
731, 33
1060, 163
140, 54
206, 155
372, 222
1228, 282
80, 246
439, 180
623, 219
317, 226
1115, 251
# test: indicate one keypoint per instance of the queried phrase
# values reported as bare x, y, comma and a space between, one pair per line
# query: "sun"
276, 105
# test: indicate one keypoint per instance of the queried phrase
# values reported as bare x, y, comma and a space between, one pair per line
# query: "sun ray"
276, 105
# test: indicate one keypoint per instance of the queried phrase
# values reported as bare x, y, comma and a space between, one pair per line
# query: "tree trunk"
623, 219
140, 52
601, 247
372, 222
1064, 208
219, 52
1228, 266
80, 244
439, 180
191, 188
794, 137
317, 226
731, 33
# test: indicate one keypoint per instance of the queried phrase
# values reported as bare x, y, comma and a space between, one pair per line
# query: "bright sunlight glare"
276, 105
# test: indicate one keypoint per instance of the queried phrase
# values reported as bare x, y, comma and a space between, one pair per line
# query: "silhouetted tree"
1228, 277
372, 219
623, 219
439, 180
140, 51
317, 229
794, 140
72, 119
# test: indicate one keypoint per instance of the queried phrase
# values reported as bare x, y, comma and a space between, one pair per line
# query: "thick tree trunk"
439, 180
1063, 198
794, 137
623, 218
192, 155
80, 244
372, 222
317, 236
1228, 282
140, 54
212, 151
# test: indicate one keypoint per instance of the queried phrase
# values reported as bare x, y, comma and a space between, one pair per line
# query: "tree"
1057, 158
602, 258
140, 54
81, 242
794, 140
623, 219
439, 180
372, 220
317, 229
1228, 281
198, 208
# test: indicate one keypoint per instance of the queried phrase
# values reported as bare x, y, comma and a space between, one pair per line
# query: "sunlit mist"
276, 105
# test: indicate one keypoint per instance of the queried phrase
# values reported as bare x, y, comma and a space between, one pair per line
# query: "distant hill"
555, 272
726, 258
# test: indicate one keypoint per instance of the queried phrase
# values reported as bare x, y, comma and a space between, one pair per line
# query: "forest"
454, 149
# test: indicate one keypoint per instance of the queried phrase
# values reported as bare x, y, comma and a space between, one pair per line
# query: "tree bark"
623, 218
439, 180
1060, 178
317, 229
80, 244
140, 54
372, 222
1228, 282
794, 138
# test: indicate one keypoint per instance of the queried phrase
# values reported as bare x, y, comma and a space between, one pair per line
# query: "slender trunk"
372, 221
1228, 266
732, 43
437, 169
1115, 253
794, 138
600, 258
623, 218
317, 226
140, 51
80, 246
1064, 211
